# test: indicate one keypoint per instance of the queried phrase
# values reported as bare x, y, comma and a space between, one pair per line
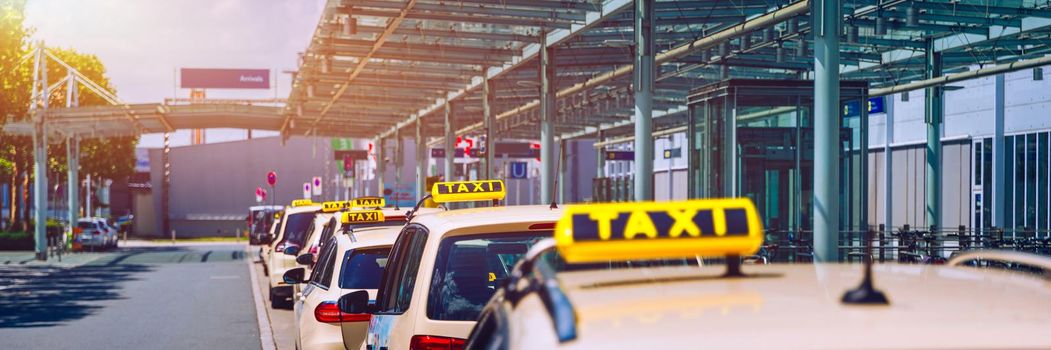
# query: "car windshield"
297, 226
470, 268
363, 268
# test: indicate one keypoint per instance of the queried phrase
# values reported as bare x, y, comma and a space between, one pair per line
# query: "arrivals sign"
220, 78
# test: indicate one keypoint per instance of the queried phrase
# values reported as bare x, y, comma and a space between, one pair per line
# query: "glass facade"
1027, 197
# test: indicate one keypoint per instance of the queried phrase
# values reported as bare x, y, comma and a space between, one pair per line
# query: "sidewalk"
29, 258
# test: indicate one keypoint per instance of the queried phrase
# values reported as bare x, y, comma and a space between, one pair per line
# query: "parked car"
94, 233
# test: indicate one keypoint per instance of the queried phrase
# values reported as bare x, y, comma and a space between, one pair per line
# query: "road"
145, 297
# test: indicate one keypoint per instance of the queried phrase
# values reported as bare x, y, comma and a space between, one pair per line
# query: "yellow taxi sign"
302, 202
368, 202
363, 217
468, 191
332, 207
659, 230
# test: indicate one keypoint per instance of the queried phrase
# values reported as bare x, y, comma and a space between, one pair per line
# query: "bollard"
173, 236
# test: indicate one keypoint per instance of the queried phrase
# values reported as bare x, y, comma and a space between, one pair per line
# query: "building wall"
212, 185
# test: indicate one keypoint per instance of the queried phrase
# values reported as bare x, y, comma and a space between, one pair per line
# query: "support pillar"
72, 159
827, 23
381, 165
450, 144
487, 118
999, 153
934, 113
645, 70
563, 171
547, 120
421, 160
40, 152
888, 165
399, 155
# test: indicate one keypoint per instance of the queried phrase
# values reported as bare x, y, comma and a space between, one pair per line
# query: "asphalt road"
150, 297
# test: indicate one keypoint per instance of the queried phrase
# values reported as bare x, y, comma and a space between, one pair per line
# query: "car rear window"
86, 225
363, 268
297, 226
470, 268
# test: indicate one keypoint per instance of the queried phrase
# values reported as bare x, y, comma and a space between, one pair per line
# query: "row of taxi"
362, 275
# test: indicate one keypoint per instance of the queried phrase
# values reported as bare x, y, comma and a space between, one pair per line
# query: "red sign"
215, 78
271, 178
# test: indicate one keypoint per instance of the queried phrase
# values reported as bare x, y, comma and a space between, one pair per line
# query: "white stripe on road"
266, 334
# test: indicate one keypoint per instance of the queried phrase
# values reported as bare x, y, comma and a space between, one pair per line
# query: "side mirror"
294, 276
291, 250
305, 259
355, 303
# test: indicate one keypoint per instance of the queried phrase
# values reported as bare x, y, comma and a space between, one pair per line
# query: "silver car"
95, 233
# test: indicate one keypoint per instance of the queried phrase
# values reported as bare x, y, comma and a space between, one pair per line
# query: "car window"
363, 268
296, 228
326, 232
322, 273
397, 286
85, 225
468, 269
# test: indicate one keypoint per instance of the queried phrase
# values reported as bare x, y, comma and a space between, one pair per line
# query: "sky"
143, 42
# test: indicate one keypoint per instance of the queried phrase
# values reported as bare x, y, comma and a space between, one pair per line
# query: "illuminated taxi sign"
301, 202
363, 217
368, 202
467, 191
659, 230
332, 207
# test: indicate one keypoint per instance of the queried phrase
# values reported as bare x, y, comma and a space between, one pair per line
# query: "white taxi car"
348, 262
266, 249
445, 266
549, 304
295, 223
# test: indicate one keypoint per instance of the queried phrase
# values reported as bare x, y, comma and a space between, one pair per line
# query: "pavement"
140, 296
280, 321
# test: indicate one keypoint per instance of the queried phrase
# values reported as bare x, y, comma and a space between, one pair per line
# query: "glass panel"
363, 268
1030, 174
1009, 188
978, 164
987, 180
1019, 176
1042, 185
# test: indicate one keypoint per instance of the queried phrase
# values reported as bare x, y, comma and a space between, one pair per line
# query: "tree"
111, 158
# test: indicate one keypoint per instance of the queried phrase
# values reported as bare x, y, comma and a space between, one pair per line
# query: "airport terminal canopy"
375, 66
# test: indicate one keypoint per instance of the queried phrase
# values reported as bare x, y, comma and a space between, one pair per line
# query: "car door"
313, 293
396, 290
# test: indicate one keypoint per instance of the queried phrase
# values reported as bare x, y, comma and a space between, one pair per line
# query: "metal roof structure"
375, 66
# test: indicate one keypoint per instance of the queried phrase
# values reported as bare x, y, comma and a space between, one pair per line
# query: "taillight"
77, 230
544, 226
430, 342
280, 247
328, 312
313, 250
95, 233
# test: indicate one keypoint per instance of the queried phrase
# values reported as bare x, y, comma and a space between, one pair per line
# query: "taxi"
265, 250
551, 302
445, 266
295, 224
349, 261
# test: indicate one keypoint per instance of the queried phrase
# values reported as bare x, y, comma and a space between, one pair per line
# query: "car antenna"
554, 189
866, 294
412, 213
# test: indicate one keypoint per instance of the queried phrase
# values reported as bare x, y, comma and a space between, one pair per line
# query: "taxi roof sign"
468, 191
368, 202
363, 217
302, 202
659, 230
332, 207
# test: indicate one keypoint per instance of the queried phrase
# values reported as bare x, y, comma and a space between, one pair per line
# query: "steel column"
645, 71
421, 160
547, 120
888, 164
72, 158
999, 153
398, 159
450, 144
381, 165
827, 22
863, 158
487, 118
40, 152
563, 172
934, 112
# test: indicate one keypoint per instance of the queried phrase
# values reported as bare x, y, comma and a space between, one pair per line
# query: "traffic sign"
620, 155
306, 190
271, 178
518, 170
316, 186
673, 153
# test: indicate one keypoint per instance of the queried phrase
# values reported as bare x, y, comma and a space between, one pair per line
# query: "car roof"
369, 237
302, 209
793, 306
449, 220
